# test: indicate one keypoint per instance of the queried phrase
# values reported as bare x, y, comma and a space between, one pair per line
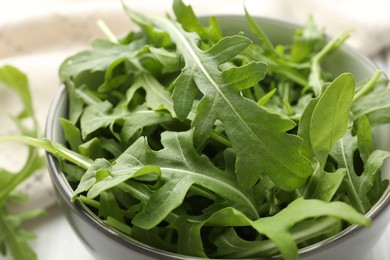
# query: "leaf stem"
53, 148
219, 138
368, 86
103, 26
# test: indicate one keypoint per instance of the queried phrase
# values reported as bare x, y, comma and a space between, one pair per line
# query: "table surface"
55, 239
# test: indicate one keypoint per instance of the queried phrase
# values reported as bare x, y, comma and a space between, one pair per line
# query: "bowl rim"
78, 207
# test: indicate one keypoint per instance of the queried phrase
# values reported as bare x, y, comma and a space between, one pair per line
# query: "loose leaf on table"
257, 145
16, 237
12, 235
17, 81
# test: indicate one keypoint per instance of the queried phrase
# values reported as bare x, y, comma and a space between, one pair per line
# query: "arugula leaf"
358, 185
98, 59
307, 41
18, 82
374, 105
13, 235
322, 124
222, 100
179, 167
277, 227
186, 16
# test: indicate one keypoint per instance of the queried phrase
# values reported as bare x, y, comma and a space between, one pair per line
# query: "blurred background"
37, 35
369, 19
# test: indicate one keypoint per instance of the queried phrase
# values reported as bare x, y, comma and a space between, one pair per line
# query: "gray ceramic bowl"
104, 243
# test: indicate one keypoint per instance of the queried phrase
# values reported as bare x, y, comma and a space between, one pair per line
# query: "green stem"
53, 148
103, 26
368, 86
315, 78
90, 202
219, 138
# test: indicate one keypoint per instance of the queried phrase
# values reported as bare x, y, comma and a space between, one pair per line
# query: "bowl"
105, 243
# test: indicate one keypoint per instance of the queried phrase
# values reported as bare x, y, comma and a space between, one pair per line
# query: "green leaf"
374, 105
89, 177
189, 235
109, 206
72, 133
222, 101
76, 104
180, 168
307, 41
168, 59
99, 58
231, 245
153, 35
93, 149
13, 236
153, 238
181, 96
324, 123
103, 111
157, 97
327, 184
131, 122
16, 237
190, 22
139, 119
17, 81
259, 33
358, 186
365, 140
304, 130
277, 227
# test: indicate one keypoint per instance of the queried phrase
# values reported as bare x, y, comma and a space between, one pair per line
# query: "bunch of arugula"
12, 235
217, 146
